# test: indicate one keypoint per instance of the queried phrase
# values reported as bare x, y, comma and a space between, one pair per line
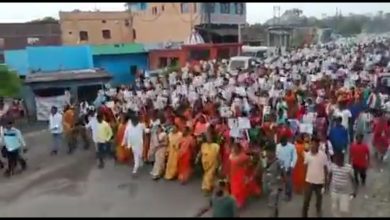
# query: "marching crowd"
296, 124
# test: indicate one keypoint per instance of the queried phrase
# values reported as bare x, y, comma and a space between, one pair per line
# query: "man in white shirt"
56, 129
92, 126
345, 115
133, 139
317, 171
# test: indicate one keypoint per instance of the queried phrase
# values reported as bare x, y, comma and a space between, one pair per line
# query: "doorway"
133, 70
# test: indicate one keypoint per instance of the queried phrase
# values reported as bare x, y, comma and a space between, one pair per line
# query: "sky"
256, 12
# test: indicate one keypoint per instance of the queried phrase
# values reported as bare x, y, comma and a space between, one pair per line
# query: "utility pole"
191, 21
208, 25
239, 34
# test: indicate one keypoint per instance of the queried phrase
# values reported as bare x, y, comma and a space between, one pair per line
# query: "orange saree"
238, 177
186, 148
299, 171
123, 154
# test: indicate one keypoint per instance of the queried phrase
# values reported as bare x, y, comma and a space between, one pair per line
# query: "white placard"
306, 128
244, 123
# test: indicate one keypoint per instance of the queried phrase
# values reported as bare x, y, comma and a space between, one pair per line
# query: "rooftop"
113, 49
84, 74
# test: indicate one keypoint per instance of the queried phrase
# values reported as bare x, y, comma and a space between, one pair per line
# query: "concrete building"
121, 61
163, 22
35, 59
15, 36
96, 27
71, 68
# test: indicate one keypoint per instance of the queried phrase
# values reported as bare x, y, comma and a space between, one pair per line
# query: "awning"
85, 74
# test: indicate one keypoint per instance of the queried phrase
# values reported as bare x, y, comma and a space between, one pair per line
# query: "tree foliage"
44, 20
344, 25
10, 83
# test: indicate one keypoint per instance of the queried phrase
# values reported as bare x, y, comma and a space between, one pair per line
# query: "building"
121, 61
164, 22
254, 35
61, 58
279, 36
97, 27
15, 36
160, 58
51, 70
47, 89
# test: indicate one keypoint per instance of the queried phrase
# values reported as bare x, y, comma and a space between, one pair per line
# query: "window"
83, 35
143, 6
2, 42
2, 60
127, 23
223, 53
70, 33
184, 8
154, 10
134, 34
200, 54
133, 70
32, 40
162, 7
173, 61
239, 8
225, 8
209, 7
106, 34
103, 21
162, 62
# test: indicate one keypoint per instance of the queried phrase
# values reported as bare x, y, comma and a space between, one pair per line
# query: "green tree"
10, 83
43, 20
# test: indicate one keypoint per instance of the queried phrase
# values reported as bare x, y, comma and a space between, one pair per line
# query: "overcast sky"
256, 12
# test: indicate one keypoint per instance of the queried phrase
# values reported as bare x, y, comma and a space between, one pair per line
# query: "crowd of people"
294, 125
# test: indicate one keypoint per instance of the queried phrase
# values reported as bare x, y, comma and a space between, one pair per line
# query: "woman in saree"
123, 154
180, 122
160, 153
238, 174
209, 155
291, 101
147, 122
69, 127
223, 131
299, 170
174, 139
380, 139
154, 141
186, 150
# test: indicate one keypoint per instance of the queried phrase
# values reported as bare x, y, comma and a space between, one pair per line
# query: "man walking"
273, 181
316, 174
360, 159
56, 129
341, 182
287, 156
103, 137
338, 137
14, 143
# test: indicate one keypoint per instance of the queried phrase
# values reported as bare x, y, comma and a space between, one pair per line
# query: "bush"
10, 83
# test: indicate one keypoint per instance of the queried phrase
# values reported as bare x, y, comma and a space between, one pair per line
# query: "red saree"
238, 178
299, 171
186, 147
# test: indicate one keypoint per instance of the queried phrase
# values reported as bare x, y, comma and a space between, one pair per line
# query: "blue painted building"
122, 61
49, 59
